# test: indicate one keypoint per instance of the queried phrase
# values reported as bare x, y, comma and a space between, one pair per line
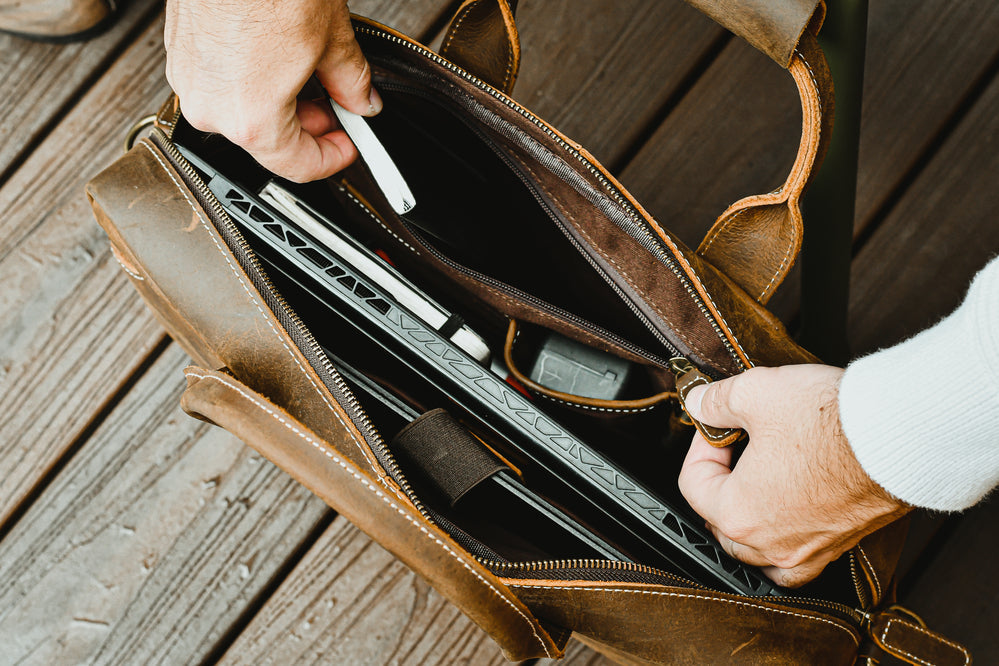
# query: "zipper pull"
687, 377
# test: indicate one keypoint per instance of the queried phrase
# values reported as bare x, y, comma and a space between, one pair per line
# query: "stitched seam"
125, 268
620, 410
694, 381
884, 641
608, 258
256, 304
874, 574
509, 59
378, 220
714, 234
459, 21
818, 137
692, 596
325, 450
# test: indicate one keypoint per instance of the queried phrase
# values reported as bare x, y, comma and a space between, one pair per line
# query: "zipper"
342, 393
302, 336
544, 306
577, 245
647, 240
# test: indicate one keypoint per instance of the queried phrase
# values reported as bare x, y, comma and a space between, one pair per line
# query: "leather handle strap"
756, 241
377, 508
483, 38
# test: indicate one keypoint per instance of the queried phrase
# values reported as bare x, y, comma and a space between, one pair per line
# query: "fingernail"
692, 403
375, 103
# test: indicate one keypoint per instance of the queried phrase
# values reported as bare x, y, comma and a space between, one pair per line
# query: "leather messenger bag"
558, 247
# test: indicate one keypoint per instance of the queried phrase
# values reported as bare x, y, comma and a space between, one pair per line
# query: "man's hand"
238, 66
797, 497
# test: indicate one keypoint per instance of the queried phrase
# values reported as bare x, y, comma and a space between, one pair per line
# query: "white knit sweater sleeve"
923, 416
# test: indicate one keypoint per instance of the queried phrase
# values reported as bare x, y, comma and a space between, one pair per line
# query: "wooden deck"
132, 534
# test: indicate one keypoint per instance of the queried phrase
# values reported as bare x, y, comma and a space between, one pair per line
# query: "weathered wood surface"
131, 556
956, 594
39, 81
151, 542
73, 329
581, 70
349, 601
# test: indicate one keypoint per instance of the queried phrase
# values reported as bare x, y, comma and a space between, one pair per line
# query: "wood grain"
151, 542
916, 267
577, 654
601, 72
351, 602
38, 81
736, 132
956, 594
73, 330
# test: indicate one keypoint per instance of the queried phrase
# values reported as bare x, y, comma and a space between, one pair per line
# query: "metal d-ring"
133, 132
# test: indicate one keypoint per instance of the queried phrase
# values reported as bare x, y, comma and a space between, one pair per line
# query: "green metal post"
828, 206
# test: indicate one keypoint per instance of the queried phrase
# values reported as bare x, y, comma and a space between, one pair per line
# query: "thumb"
346, 75
719, 403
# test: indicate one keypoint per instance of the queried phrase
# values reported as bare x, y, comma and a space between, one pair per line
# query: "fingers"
304, 157
722, 403
739, 551
346, 75
702, 477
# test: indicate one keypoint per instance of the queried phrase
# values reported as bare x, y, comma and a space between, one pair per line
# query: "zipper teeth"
653, 246
561, 226
609, 565
375, 437
343, 394
861, 595
588, 326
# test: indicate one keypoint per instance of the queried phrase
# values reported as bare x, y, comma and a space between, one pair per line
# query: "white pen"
384, 170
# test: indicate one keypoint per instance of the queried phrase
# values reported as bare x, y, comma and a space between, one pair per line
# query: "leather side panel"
383, 514
690, 626
193, 282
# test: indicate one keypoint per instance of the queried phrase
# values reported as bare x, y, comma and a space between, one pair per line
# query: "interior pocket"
475, 212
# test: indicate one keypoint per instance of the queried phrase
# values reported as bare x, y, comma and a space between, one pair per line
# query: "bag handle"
756, 240
380, 510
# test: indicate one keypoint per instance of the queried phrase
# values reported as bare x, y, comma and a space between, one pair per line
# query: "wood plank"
581, 70
349, 601
956, 594
73, 330
912, 271
38, 80
736, 132
916, 267
151, 542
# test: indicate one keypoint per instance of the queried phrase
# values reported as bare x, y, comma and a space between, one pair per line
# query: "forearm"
922, 417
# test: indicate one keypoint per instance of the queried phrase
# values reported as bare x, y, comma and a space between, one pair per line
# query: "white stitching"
691, 596
703, 428
208, 228
818, 138
378, 220
931, 635
125, 268
619, 410
874, 573
325, 450
454, 30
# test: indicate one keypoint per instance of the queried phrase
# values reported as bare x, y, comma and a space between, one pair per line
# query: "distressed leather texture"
483, 39
905, 639
378, 509
254, 380
58, 19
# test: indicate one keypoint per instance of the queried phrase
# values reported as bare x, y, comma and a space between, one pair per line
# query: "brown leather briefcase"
259, 372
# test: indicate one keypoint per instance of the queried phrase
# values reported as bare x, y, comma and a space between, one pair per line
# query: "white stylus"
384, 170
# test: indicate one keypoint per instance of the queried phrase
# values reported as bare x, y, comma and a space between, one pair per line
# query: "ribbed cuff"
923, 416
